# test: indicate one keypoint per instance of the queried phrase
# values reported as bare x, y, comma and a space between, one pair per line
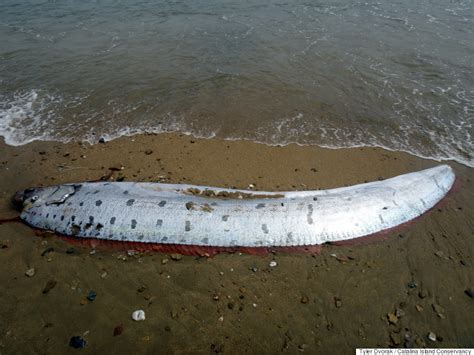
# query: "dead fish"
209, 216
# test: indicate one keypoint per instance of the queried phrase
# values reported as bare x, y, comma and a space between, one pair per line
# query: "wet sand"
390, 292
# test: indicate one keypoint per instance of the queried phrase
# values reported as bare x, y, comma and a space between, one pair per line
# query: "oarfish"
179, 214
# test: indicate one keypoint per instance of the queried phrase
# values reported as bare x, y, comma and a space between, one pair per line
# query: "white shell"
138, 315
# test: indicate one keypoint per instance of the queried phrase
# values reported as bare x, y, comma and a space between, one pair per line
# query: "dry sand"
417, 276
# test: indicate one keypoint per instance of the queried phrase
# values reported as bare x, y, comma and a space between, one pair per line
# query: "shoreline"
234, 301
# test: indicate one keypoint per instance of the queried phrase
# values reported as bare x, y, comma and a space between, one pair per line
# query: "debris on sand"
438, 310
138, 315
118, 330
91, 295
30, 272
49, 286
469, 292
431, 336
304, 300
77, 342
176, 257
272, 263
392, 318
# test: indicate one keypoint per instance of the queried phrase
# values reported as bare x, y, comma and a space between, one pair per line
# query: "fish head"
49, 195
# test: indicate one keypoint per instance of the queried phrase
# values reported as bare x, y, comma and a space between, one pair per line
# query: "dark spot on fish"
130, 202
189, 205
73, 218
91, 219
205, 240
225, 217
47, 215
265, 228
315, 198
98, 203
88, 225
164, 239
75, 229
309, 216
162, 204
54, 216
260, 205
187, 226
125, 192
141, 236
134, 223
282, 204
96, 192
81, 204
62, 218
112, 220
385, 208
99, 226
159, 222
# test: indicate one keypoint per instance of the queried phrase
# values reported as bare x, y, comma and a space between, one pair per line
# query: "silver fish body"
208, 216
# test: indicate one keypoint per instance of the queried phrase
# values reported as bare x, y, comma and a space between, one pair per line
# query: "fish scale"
185, 214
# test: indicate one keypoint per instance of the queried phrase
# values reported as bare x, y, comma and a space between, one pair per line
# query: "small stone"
337, 302
138, 315
102, 139
118, 330
91, 295
132, 252
304, 300
141, 288
469, 292
230, 305
302, 347
439, 254
30, 272
215, 297
164, 261
399, 312
392, 318
49, 286
253, 268
431, 336
419, 307
104, 275
77, 342
148, 151
176, 257
70, 250
83, 302
221, 319
251, 186
47, 251
412, 284
272, 263
439, 310
422, 294
395, 338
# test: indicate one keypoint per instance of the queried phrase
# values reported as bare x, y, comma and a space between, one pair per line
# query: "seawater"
397, 74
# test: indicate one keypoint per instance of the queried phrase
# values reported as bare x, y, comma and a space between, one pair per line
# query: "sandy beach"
391, 292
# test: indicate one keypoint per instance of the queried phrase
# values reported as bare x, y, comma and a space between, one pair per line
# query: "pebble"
104, 275
337, 302
439, 310
272, 263
304, 300
47, 251
399, 312
91, 295
395, 338
412, 284
431, 336
49, 286
77, 342
176, 257
30, 272
148, 151
469, 292
392, 318
422, 294
221, 319
253, 268
164, 261
419, 307
118, 330
251, 186
138, 315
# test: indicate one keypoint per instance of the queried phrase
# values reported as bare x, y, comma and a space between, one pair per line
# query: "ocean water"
397, 74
